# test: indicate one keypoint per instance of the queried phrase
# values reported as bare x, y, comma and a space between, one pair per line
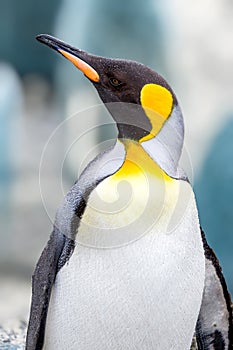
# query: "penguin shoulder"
70, 211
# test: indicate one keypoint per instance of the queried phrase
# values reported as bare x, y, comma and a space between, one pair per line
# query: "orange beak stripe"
81, 65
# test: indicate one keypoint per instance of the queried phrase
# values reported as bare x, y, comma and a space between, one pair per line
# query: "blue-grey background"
190, 43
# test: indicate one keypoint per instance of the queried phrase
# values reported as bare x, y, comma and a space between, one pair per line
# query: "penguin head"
142, 103
144, 99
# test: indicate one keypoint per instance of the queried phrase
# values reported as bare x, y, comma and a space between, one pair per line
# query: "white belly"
144, 295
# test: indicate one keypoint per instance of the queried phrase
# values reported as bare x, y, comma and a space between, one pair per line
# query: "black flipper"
53, 257
61, 246
214, 330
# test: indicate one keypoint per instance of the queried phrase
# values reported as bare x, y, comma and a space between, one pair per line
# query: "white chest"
124, 208
142, 295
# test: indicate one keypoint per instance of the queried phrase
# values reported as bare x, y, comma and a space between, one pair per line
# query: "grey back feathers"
166, 147
69, 214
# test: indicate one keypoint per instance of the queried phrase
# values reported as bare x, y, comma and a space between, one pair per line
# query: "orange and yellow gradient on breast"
137, 198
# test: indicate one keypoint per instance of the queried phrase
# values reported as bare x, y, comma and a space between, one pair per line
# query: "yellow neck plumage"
138, 163
157, 103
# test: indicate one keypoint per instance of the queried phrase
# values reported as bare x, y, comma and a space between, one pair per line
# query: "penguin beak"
79, 58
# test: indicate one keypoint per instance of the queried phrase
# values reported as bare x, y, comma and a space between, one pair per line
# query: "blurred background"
189, 43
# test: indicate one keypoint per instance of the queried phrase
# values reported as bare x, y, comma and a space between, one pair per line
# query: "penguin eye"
115, 82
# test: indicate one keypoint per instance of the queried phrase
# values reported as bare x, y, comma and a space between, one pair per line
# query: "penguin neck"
138, 161
166, 147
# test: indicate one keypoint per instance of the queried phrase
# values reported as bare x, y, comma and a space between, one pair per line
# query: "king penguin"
127, 265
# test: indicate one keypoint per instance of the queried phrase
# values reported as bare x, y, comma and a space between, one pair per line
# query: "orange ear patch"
157, 103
